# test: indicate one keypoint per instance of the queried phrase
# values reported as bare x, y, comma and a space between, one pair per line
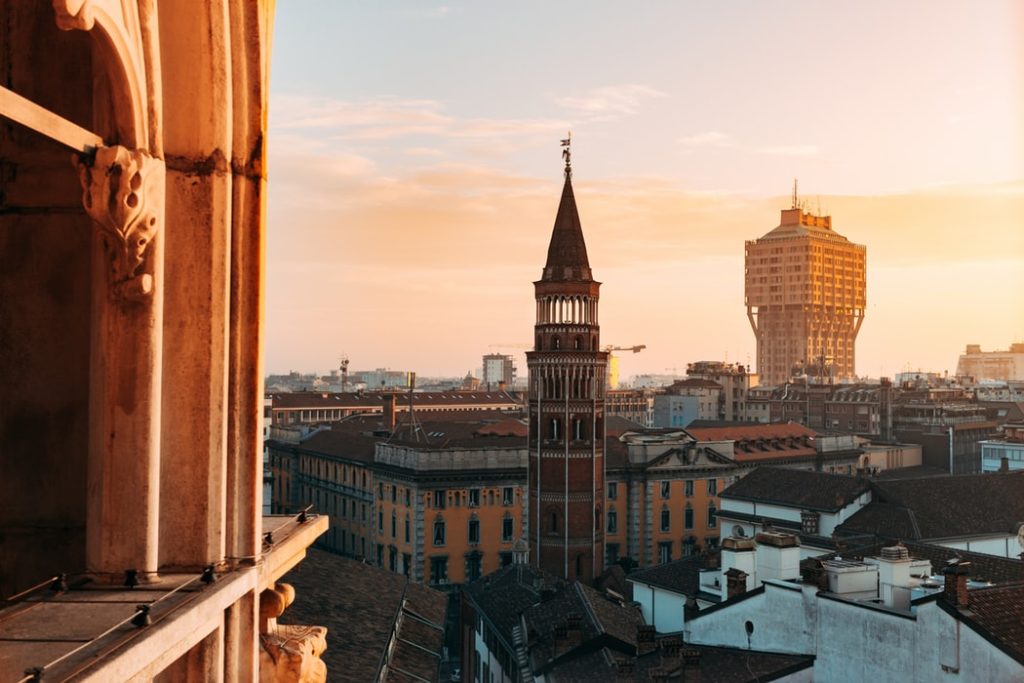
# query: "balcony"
94, 632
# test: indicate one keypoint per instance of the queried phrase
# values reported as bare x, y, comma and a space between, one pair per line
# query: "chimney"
809, 522
691, 666
736, 583
690, 608
645, 639
894, 565
954, 591
1004, 464
389, 412
501, 386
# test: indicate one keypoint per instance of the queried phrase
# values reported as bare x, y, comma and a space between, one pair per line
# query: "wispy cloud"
718, 140
381, 119
611, 99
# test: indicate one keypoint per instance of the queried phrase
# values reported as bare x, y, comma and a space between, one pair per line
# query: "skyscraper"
567, 371
805, 296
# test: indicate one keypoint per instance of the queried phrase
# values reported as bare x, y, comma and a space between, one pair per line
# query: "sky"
414, 172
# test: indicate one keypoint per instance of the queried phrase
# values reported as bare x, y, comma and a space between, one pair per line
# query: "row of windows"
474, 566
689, 546
666, 488
666, 519
441, 498
508, 528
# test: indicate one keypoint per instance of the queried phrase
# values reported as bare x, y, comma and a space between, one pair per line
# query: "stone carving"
123, 194
74, 14
292, 655
288, 653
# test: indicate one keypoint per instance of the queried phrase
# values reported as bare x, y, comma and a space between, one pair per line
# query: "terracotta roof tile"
359, 605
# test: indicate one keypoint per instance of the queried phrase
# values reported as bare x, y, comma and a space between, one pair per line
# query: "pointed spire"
567, 252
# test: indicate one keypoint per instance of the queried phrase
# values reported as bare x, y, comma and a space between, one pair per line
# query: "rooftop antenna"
796, 199
567, 155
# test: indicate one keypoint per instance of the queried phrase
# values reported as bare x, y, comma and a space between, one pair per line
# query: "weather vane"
567, 154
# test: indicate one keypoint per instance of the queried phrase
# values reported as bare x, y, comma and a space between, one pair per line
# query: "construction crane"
635, 349
613, 361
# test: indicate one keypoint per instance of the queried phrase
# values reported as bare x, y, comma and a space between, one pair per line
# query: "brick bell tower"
567, 385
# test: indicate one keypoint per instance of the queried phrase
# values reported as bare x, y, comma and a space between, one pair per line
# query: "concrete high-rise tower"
805, 296
567, 377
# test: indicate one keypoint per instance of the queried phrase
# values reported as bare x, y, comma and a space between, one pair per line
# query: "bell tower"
567, 384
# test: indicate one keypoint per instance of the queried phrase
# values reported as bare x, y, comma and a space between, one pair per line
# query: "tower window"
556, 428
556, 343
577, 343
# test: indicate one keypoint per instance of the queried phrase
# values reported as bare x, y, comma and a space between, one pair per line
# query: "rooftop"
942, 507
797, 488
400, 624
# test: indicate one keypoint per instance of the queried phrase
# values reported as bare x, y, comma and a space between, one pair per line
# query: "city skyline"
406, 215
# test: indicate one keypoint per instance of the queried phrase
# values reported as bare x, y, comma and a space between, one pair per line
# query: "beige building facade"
805, 288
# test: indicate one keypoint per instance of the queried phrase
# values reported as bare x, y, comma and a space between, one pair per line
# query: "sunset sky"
414, 172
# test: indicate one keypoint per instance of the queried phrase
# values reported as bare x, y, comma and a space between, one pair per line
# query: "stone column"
124, 196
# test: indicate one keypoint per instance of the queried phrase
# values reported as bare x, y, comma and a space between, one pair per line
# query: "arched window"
578, 343
556, 428
556, 343
552, 519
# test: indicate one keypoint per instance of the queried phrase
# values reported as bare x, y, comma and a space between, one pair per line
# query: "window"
666, 489
394, 524
710, 542
405, 492
406, 564
392, 558
407, 528
613, 490
362, 511
439, 532
688, 489
380, 521
507, 528
507, 495
380, 555
556, 428
439, 496
688, 517
712, 487
665, 552
380, 491
474, 531
438, 570
474, 498
613, 521
577, 429
712, 517
666, 520
689, 546
473, 566
394, 493
611, 552
553, 520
